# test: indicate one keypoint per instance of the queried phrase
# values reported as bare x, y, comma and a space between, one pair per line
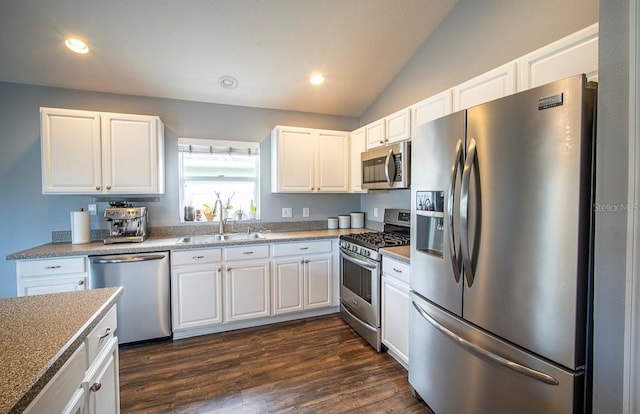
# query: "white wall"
27, 217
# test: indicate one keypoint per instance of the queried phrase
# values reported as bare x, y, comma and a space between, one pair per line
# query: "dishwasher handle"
127, 258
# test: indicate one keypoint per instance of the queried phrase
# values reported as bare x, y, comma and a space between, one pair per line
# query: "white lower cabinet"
89, 381
247, 283
196, 288
102, 381
302, 276
395, 309
55, 275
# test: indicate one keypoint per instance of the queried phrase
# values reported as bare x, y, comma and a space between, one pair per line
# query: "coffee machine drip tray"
125, 239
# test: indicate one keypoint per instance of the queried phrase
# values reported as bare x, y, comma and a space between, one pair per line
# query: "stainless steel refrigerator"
501, 254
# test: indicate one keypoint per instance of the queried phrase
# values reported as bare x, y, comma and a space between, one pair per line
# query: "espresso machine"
128, 223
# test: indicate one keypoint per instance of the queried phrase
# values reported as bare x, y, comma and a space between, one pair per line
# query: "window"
228, 168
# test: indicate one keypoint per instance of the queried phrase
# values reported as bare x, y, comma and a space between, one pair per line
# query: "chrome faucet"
215, 206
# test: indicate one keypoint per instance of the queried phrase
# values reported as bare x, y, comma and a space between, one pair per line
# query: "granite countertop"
39, 333
158, 244
400, 253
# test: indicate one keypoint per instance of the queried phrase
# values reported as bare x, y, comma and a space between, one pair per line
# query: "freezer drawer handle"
484, 354
464, 212
455, 262
128, 259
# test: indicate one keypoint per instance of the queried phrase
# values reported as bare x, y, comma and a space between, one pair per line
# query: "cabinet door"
103, 382
132, 153
292, 160
76, 404
358, 146
70, 141
288, 285
196, 296
431, 108
39, 286
332, 172
318, 281
395, 317
494, 84
398, 126
375, 132
246, 290
569, 56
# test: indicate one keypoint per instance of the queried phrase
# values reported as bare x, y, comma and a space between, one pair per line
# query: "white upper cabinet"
86, 152
358, 146
491, 85
375, 133
431, 108
569, 56
392, 128
305, 160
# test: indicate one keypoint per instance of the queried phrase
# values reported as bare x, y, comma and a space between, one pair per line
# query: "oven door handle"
364, 263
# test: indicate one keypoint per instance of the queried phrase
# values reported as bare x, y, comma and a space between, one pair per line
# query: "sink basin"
212, 238
200, 239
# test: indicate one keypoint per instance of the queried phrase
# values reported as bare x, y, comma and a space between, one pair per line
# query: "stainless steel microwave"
387, 167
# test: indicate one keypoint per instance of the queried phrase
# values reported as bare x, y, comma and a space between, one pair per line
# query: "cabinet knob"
95, 387
228, 269
97, 187
381, 142
108, 187
81, 282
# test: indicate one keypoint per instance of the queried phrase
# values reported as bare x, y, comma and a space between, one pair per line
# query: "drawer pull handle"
197, 257
106, 333
81, 282
304, 248
396, 270
53, 267
95, 387
249, 252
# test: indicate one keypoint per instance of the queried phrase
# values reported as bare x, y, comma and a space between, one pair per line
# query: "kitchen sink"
212, 238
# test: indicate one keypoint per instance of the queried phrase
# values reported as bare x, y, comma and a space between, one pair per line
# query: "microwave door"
389, 165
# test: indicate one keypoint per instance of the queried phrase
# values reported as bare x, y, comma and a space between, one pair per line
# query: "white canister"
357, 220
332, 223
344, 222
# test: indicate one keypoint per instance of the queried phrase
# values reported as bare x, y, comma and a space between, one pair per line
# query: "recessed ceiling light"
77, 46
317, 79
228, 82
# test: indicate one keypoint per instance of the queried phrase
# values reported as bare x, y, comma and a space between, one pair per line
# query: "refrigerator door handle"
452, 188
484, 354
464, 212
387, 164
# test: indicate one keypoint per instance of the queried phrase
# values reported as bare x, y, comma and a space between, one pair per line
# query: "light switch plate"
287, 212
93, 209
375, 212
305, 211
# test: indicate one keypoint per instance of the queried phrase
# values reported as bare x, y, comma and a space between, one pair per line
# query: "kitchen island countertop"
39, 333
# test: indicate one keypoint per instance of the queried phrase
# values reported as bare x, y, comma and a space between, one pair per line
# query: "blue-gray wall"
27, 217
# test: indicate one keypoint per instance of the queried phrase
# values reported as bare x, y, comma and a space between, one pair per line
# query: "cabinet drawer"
57, 266
101, 334
288, 249
247, 252
396, 269
197, 256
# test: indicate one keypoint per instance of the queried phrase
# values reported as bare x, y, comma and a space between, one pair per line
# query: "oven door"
360, 287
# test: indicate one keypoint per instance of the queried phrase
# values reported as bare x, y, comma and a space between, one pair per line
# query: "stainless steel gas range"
360, 275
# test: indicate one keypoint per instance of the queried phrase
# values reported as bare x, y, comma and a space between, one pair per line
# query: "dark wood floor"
317, 365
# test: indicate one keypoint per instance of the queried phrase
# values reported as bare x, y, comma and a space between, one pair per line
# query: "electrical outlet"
375, 212
93, 209
305, 211
287, 212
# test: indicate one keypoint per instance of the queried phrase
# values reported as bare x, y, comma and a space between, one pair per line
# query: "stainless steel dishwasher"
144, 310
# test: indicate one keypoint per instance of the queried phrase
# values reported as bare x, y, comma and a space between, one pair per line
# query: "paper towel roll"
80, 227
